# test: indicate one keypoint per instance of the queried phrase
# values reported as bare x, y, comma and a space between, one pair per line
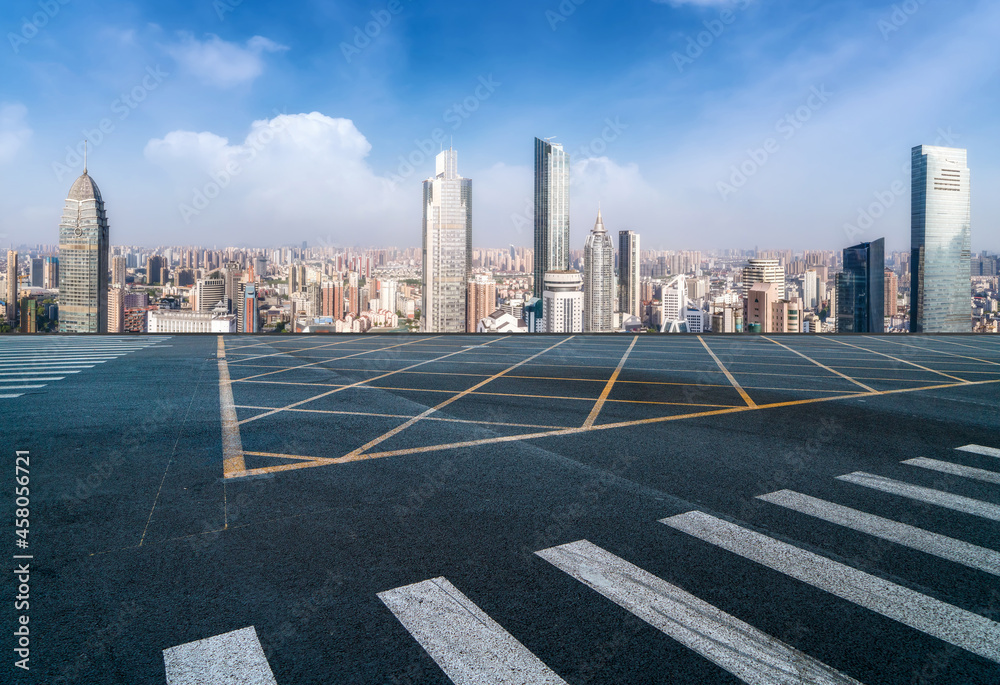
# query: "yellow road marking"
897, 359
950, 354
822, 366
739, 388
410, 416
607, 388
358, 453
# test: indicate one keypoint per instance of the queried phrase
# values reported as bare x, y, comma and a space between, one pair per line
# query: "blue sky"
231, 122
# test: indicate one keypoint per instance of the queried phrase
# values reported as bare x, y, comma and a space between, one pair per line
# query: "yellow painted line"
232, 445
410, 416
732, 380
607, 388
822, 366
358, 453
897, 359
301, 463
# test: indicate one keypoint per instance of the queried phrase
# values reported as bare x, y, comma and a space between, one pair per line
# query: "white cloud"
217, 62
295, 177
14, 130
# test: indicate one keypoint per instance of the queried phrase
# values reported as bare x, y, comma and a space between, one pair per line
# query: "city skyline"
662, 181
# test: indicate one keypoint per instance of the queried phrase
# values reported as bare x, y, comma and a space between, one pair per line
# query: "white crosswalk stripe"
748, 653
227, 659
947, 500
979, 449
919, 539
952, 624
33, 363
469, 646
955, 469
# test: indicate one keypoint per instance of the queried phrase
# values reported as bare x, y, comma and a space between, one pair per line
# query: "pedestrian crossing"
471, 648
32, 363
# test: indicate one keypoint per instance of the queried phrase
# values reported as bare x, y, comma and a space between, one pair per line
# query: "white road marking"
919, 539
235, 658
955, 469
947, 500
30, 379
22, 373
952, 624
979, 449
10, 397
22, 387
469, 646
748, 653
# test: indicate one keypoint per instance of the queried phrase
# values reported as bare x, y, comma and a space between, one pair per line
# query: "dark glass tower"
861, 289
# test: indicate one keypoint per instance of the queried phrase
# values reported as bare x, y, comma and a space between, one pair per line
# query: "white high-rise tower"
447, 246
599, 280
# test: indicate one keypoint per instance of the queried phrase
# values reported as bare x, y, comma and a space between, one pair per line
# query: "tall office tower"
940, 241
629, 292
118, 272
481, 300
764, 271
155, 269
810, 289
332, 297
861, 289
891, 292
116, 309
232, 275
209, 292
29, 315
551, 211
35, 276
562, 302
599, 280
11, 287
293, 279
447, 246
387, 291
251, 313
83, 259
302, 277
51, 279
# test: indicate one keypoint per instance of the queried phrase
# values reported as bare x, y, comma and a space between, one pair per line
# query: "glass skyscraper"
861, 289
447, 246
941, 241
83, 260
598, 280
551, 211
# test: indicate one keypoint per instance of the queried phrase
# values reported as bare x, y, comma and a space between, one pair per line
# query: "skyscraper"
447, 246
481, 300
629, 298
940, 241
764, 271
35, 276
563, 302
11, 287
51, 273
209, 292
551, 211
118, 271
861, 289
83, 260
891, 292
598, 280
116, 310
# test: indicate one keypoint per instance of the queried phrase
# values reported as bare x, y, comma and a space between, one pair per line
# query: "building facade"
83, 260
447, 246
209, 292
598, 280
118, 270
764, 271
940, 241
552, 245
562, 302
629, 295
481, 300
11, 299
861, 289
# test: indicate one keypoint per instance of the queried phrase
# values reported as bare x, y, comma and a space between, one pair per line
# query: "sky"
701, 124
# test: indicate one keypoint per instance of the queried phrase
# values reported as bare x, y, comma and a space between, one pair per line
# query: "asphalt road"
313, 495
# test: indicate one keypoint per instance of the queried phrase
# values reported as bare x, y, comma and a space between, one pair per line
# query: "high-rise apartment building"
629, 296
861, 289
118, 271
209, 292
116, 309
940, 241
562, 302
599, 280
293, 279
154, 269
764, 271
673, 299
11, 300
332, 300
891, 292
51, 273
551, 211
36, 277
810, 289
83, 260
447, 246
481, 300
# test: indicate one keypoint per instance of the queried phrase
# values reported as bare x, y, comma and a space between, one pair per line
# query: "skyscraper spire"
84, 155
